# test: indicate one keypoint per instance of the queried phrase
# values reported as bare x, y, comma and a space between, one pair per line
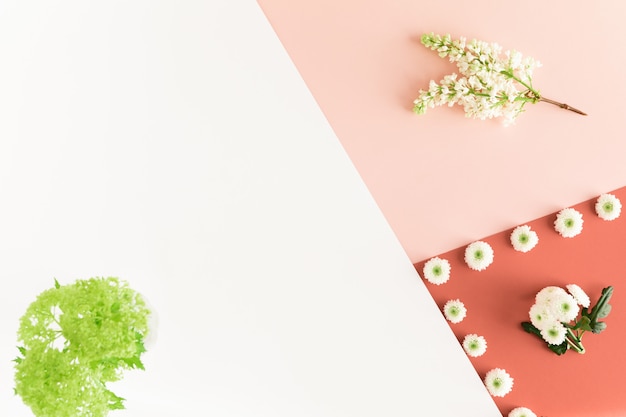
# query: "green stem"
534, 92
574, 342
536, 96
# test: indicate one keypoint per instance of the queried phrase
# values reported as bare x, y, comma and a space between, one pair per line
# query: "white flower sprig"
455, 311
437, 271
521, 412
474, 345
498, 382
569, 222
478, 255
555, 317
523, 238
608, 207
494, 83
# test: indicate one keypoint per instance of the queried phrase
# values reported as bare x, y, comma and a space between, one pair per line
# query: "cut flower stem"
574, 341
562, 105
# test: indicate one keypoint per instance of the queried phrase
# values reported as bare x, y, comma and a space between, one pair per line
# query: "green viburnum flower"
492, 83
74, 340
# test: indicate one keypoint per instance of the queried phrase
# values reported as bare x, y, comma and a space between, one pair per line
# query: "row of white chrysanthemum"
479, 255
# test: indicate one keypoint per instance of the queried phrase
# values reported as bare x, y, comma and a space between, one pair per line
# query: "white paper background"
174, 145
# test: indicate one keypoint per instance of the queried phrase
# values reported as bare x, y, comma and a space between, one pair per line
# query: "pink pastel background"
442, 180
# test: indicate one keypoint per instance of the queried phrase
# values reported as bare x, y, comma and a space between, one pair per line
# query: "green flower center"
478, 255
608, 207
473, 345
497, 383
437, 271
454, 311
565, 307
569, 223
553, 332
523, 238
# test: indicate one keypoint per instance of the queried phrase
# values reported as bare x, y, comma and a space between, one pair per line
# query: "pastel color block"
442, 179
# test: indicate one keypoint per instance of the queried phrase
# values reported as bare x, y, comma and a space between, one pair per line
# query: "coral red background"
499, 297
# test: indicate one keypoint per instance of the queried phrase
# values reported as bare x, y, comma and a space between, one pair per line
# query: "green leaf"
602, 307
56, 284
529, 328
598, 327
559, 349
115, 402
604, 311
134, 362
583, 324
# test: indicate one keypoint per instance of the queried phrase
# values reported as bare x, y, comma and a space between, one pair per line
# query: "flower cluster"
81, 336
494, 83
555, 316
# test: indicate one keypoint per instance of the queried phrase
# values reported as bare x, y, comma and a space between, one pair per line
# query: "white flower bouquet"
492, 84
561, 318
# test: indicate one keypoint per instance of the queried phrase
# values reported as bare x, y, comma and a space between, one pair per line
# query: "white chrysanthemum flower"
608, 207
564, 308
554, 333
455, 311
581, 296
547, 294
474, 345
540, 317
478, 255
437, 271
498, 382
569, 222
523, 238
522, 412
